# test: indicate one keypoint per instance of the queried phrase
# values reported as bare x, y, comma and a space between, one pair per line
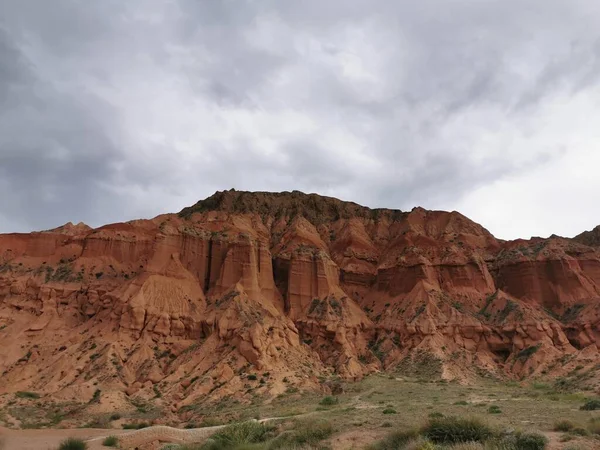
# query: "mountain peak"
313, 207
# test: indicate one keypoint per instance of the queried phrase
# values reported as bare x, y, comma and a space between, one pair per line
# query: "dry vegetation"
381, 412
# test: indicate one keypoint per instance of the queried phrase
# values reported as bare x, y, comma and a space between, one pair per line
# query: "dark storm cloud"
114, 110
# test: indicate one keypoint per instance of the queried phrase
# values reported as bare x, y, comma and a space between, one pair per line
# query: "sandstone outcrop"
252, 293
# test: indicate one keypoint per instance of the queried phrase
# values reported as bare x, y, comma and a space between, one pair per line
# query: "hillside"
250, 294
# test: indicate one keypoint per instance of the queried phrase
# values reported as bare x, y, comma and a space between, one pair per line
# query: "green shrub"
252, 377
461, 403
305, 433
452, 430
494, 410
531, 441
435, 415
396, 440
115, 416
420, 444
110, 441
72, 444
211, 422
238, 434
329, 401
471, 446
26, 394
591, 405
580, 431
389, 411
563, 425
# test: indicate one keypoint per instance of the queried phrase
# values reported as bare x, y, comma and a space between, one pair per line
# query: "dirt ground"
49, 439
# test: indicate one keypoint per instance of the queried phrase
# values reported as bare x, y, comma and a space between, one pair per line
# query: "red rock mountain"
287, 288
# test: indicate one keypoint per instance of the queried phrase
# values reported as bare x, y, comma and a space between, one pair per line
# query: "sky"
114, 110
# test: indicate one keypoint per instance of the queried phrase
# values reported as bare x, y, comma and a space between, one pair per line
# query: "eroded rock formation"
247, 293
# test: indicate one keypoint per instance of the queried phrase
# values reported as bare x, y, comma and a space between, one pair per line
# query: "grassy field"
367, 411
380, 404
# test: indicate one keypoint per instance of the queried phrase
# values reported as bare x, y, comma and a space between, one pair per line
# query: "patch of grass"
531, 441
475, 446
306, 433
389, 411
594, 426
72, 444
591, 405
110, 441
211, 422
115, 416
27, 394
236, 435
461, 403
494, 410
135, 426
578, 431
329, 401
563, 425
395, 440
452, 430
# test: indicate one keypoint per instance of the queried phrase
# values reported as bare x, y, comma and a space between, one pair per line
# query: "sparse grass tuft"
72, 444
239, 434
420, 443
27, 394
494, 410
110, 441
305, 433
329, 401
395, 440
531, 441
594, 426
135, 426
591, 405
389, 411
452, 430
473, 446
563, 425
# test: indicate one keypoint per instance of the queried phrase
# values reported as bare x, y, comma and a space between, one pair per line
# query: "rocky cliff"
245, 294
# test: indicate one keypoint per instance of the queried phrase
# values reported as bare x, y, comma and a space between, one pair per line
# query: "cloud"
117, 110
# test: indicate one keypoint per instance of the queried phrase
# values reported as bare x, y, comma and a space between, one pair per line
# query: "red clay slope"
289, 287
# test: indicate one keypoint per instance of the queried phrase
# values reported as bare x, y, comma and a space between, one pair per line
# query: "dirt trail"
49, 439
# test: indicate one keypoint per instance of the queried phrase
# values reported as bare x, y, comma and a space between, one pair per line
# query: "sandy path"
49, 439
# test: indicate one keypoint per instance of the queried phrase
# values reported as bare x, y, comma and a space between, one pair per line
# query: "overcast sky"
113, 110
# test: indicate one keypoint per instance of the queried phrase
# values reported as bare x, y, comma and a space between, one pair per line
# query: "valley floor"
368, 410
